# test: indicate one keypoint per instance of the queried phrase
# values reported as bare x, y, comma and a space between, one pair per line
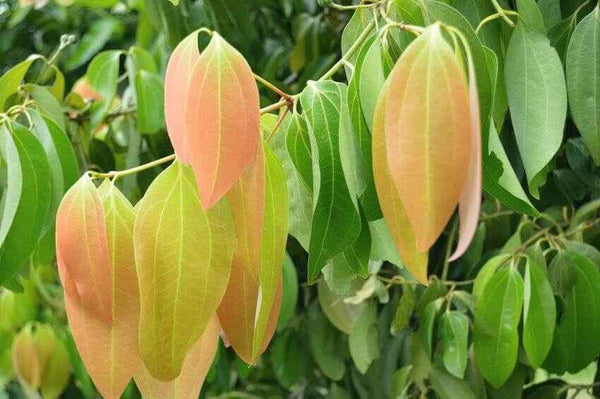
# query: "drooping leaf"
428, 136
327, 344
497, 315
336, 222
364, 339
149, 95
539, 311
194, 370
182, 260
10, 81
537, 99
27, 198
109, 350
392, 207
454, 333
218, 130
583, 80
341, 314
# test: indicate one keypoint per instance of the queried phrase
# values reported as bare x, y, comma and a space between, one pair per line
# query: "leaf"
391, 205
583, 80
26, 200
328, 346
289, 297
299, 149
96, 37
497, 315
342, 315
454, 333
486, 272
182, 260
109, 350
577, 336
149, 94
539, 312
405, 309
217, 129
288, 358
537, 100
46, 103
102, 74
61, 159
334, 227
193, 372
11, 80
448, 386
382, 244
428, 144
530, 14
357, 24
364, 339
427, 316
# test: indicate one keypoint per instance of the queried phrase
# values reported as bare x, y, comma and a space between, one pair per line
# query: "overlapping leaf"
428, 133
183, 259
216, 130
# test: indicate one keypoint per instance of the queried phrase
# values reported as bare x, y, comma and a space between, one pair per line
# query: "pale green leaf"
150, 109
454, 333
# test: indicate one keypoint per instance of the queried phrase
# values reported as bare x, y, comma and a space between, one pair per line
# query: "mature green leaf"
98, 34
327, 344
364, 339
357, 24
486, 272
342, 315
405, 309
551, 12
47, 103
539, 312
497, 315
427, 318
530, 13
448, 386
537, 100
27, 198
183, 259
149, 94
336, 222
11, 80
382, 243
299, 149
577, 336
583, 80
290, 293
454, 333
102, 74
288, 358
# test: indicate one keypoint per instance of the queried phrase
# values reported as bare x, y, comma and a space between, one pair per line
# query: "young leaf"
336, 222
391, 205
583, 80
149, 94
82, 250
221, 119
110, 350
194, 370
497, 315
183, 258
27, 198
539, 312
537, 99
454, 333
428, 133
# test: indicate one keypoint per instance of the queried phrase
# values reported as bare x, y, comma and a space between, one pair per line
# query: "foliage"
279, 198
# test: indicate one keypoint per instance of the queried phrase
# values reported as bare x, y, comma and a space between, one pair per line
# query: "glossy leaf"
537, 100
182, 260
109, 350
194, 370
220, 131
11, 80
454, 333
495, 335
391, 205
336, 222
583, 80
299, 149
27, 198
428, 133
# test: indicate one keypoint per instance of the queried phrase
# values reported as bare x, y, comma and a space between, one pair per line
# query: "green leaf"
486, 272
290, 293
288, 357
382, 243
427, 318
183, 258
550, 10
539, 312
583, 80
364, 339
149, 95
103, 73
405, 309
92, 41
61, 159
529, 12
577, 336
537, 100
47, 103
341, 314
11, 80
495, 335
336, 222
327, 344
357, 24
454, 333
26, 200
299, 149
449, 387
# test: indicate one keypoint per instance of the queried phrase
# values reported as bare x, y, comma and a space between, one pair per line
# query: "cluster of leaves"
440, 100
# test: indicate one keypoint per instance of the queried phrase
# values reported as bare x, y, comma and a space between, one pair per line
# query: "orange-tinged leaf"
85, 90
428, 133
82, 249
110, 350
221, 119
177, 77
183, 258
391, 205
470, 200
193, 372
250, 308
